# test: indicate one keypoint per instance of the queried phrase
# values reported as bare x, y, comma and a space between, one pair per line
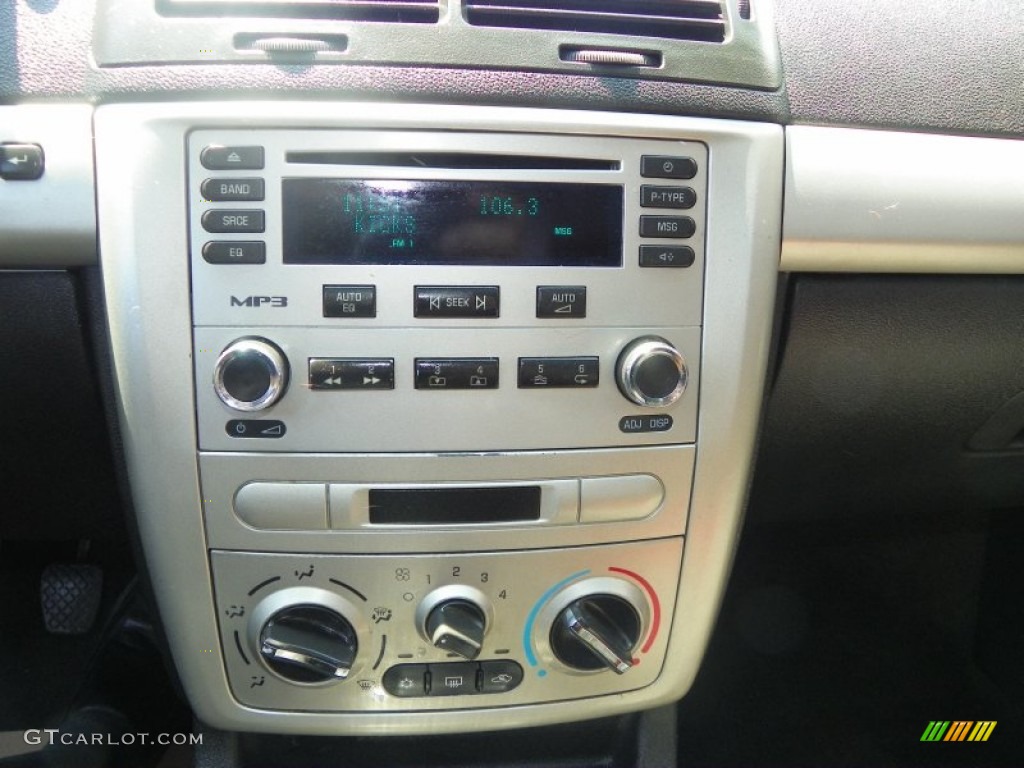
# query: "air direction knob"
309, 644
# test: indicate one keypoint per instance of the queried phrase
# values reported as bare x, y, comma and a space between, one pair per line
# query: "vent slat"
697, 20
402, 11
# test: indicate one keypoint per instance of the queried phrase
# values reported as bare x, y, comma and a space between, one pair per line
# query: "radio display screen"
458, 223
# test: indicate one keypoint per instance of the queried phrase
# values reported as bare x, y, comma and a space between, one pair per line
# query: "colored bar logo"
958, 730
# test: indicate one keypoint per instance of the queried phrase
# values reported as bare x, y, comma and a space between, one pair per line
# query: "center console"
437, 418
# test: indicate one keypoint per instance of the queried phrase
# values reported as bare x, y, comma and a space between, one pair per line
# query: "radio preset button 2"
229, 220
332, 373
667, 226
654, 196
222, 190
558, 372
238, 252
221, 158
350, 300
457, 301
667, 167
561, 301
671, 256
457, 373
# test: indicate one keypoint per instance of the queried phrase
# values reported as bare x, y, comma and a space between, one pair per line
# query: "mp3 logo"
259, 301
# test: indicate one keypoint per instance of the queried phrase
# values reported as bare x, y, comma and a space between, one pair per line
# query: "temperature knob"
251, 374
309, 644
596, 631
652, 372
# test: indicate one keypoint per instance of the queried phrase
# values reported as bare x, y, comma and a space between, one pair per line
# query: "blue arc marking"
528, 630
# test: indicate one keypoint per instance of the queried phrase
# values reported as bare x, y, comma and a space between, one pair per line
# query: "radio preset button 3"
222, 190
229, 220
457, 301
667, 226
558, 372
327, 373
238, 252
561, 301
457, 373
654, 196
221, 158
677, 256
350, 300
667, 167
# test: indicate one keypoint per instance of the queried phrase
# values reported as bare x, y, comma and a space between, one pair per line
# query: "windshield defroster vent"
696, 20
400, 11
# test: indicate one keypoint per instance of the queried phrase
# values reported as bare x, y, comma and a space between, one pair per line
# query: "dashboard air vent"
696, 20
401, 11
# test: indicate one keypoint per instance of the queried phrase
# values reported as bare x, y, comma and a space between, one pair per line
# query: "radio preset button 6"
654, 196
328, 373
220, 158
457, 373
557, 372
667, 226
678, 256
228, 220
457, 301
238, 252
667, 167
350, 300
561, 301
221, 190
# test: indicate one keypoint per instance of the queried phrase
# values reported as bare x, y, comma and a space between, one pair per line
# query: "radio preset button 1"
561, 301
666, 226
654, 196
239, 252
350, 300
222, 190
457, 301
457, 373
229, 220
221, 158
667, 167
677, 256
327, 373
558, 372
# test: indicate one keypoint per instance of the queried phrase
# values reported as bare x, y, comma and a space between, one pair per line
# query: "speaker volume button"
251, 374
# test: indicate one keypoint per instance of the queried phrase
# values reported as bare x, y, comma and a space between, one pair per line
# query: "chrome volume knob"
596, 631
651, 372
251, 374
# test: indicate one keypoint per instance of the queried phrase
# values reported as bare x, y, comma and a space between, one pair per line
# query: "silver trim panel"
878, 201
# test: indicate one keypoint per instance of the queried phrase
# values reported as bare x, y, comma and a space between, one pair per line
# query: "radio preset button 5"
654, 196
221, 190
667, 167
220, 158
667, 226
677, 256
457, 301
457, 373
328, 373
239, 252
558, 372
561, 301
350, 300
229, 220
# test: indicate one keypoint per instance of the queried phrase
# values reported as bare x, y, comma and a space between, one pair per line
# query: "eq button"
457, 373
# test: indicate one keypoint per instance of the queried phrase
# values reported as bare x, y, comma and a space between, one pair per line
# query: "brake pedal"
70, 596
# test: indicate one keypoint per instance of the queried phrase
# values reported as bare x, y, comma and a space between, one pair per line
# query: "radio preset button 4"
350, 300
327, 373
667, 226
457, 301
457, 373
229, 220
561, 301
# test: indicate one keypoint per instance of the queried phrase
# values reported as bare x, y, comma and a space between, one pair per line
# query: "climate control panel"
424, 632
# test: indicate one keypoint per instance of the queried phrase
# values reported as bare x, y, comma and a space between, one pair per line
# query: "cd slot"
451, 161
454, 506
